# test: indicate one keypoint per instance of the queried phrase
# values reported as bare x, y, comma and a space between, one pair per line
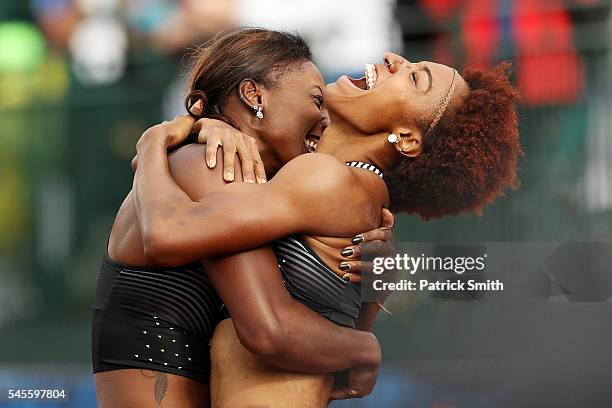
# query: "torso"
243, 380
311, 282
125, 246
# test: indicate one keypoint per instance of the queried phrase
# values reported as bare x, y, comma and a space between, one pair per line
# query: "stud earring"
392, 138
258, 112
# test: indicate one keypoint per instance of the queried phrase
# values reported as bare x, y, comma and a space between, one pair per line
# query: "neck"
350, 145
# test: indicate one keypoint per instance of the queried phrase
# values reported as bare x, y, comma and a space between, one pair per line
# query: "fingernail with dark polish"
344, 266
347, 252
346, 277
357, 240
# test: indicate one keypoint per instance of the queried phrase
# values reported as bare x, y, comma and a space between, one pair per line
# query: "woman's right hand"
356, 382
359, 381
217, 133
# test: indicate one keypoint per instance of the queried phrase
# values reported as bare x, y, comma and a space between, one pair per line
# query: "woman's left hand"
215, 133
371, 244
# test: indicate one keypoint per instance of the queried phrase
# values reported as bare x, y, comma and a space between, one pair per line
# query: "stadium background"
81, 79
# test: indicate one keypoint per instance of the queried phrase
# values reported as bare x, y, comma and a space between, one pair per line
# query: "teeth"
370, 73
310, 144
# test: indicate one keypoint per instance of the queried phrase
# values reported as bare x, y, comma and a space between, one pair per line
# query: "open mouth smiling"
366, 82
311, 142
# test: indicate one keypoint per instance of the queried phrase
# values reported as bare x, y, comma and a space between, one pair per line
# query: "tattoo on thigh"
161, 384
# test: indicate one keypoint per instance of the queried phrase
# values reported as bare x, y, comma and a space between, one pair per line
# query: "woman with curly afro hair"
469, 158
414, 137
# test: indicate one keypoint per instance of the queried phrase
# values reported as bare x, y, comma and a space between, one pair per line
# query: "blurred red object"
481, 29
440, 10
547, 66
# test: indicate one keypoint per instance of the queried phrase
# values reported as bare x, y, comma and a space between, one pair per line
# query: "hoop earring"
258, 112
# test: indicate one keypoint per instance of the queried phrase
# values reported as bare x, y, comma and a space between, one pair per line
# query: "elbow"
156, 248
265, 341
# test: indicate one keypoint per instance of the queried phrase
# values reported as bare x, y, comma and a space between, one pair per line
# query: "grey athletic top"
313, 283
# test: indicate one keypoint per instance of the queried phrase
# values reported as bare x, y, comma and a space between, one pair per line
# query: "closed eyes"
319, 100
415, 78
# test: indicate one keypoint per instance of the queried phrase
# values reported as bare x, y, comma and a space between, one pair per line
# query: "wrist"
153, 137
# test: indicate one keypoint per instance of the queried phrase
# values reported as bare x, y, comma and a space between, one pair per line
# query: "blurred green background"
70, 115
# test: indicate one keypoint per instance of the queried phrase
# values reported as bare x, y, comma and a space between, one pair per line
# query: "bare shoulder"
318, 172
333, 197
188, 168
321, 160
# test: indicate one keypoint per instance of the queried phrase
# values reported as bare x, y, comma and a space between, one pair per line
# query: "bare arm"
175, 228
283, 332
269, 323
368, 314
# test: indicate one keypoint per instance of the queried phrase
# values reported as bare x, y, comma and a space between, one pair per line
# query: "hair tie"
383, 308
192, 99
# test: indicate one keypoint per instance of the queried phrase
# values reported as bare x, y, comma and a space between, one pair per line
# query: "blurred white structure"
598, 172
99, 43
343, 34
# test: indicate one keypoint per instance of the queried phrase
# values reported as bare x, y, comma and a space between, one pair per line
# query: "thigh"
130, 388
240, 379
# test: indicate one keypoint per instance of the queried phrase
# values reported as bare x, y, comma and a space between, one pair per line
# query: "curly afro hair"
470, 158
